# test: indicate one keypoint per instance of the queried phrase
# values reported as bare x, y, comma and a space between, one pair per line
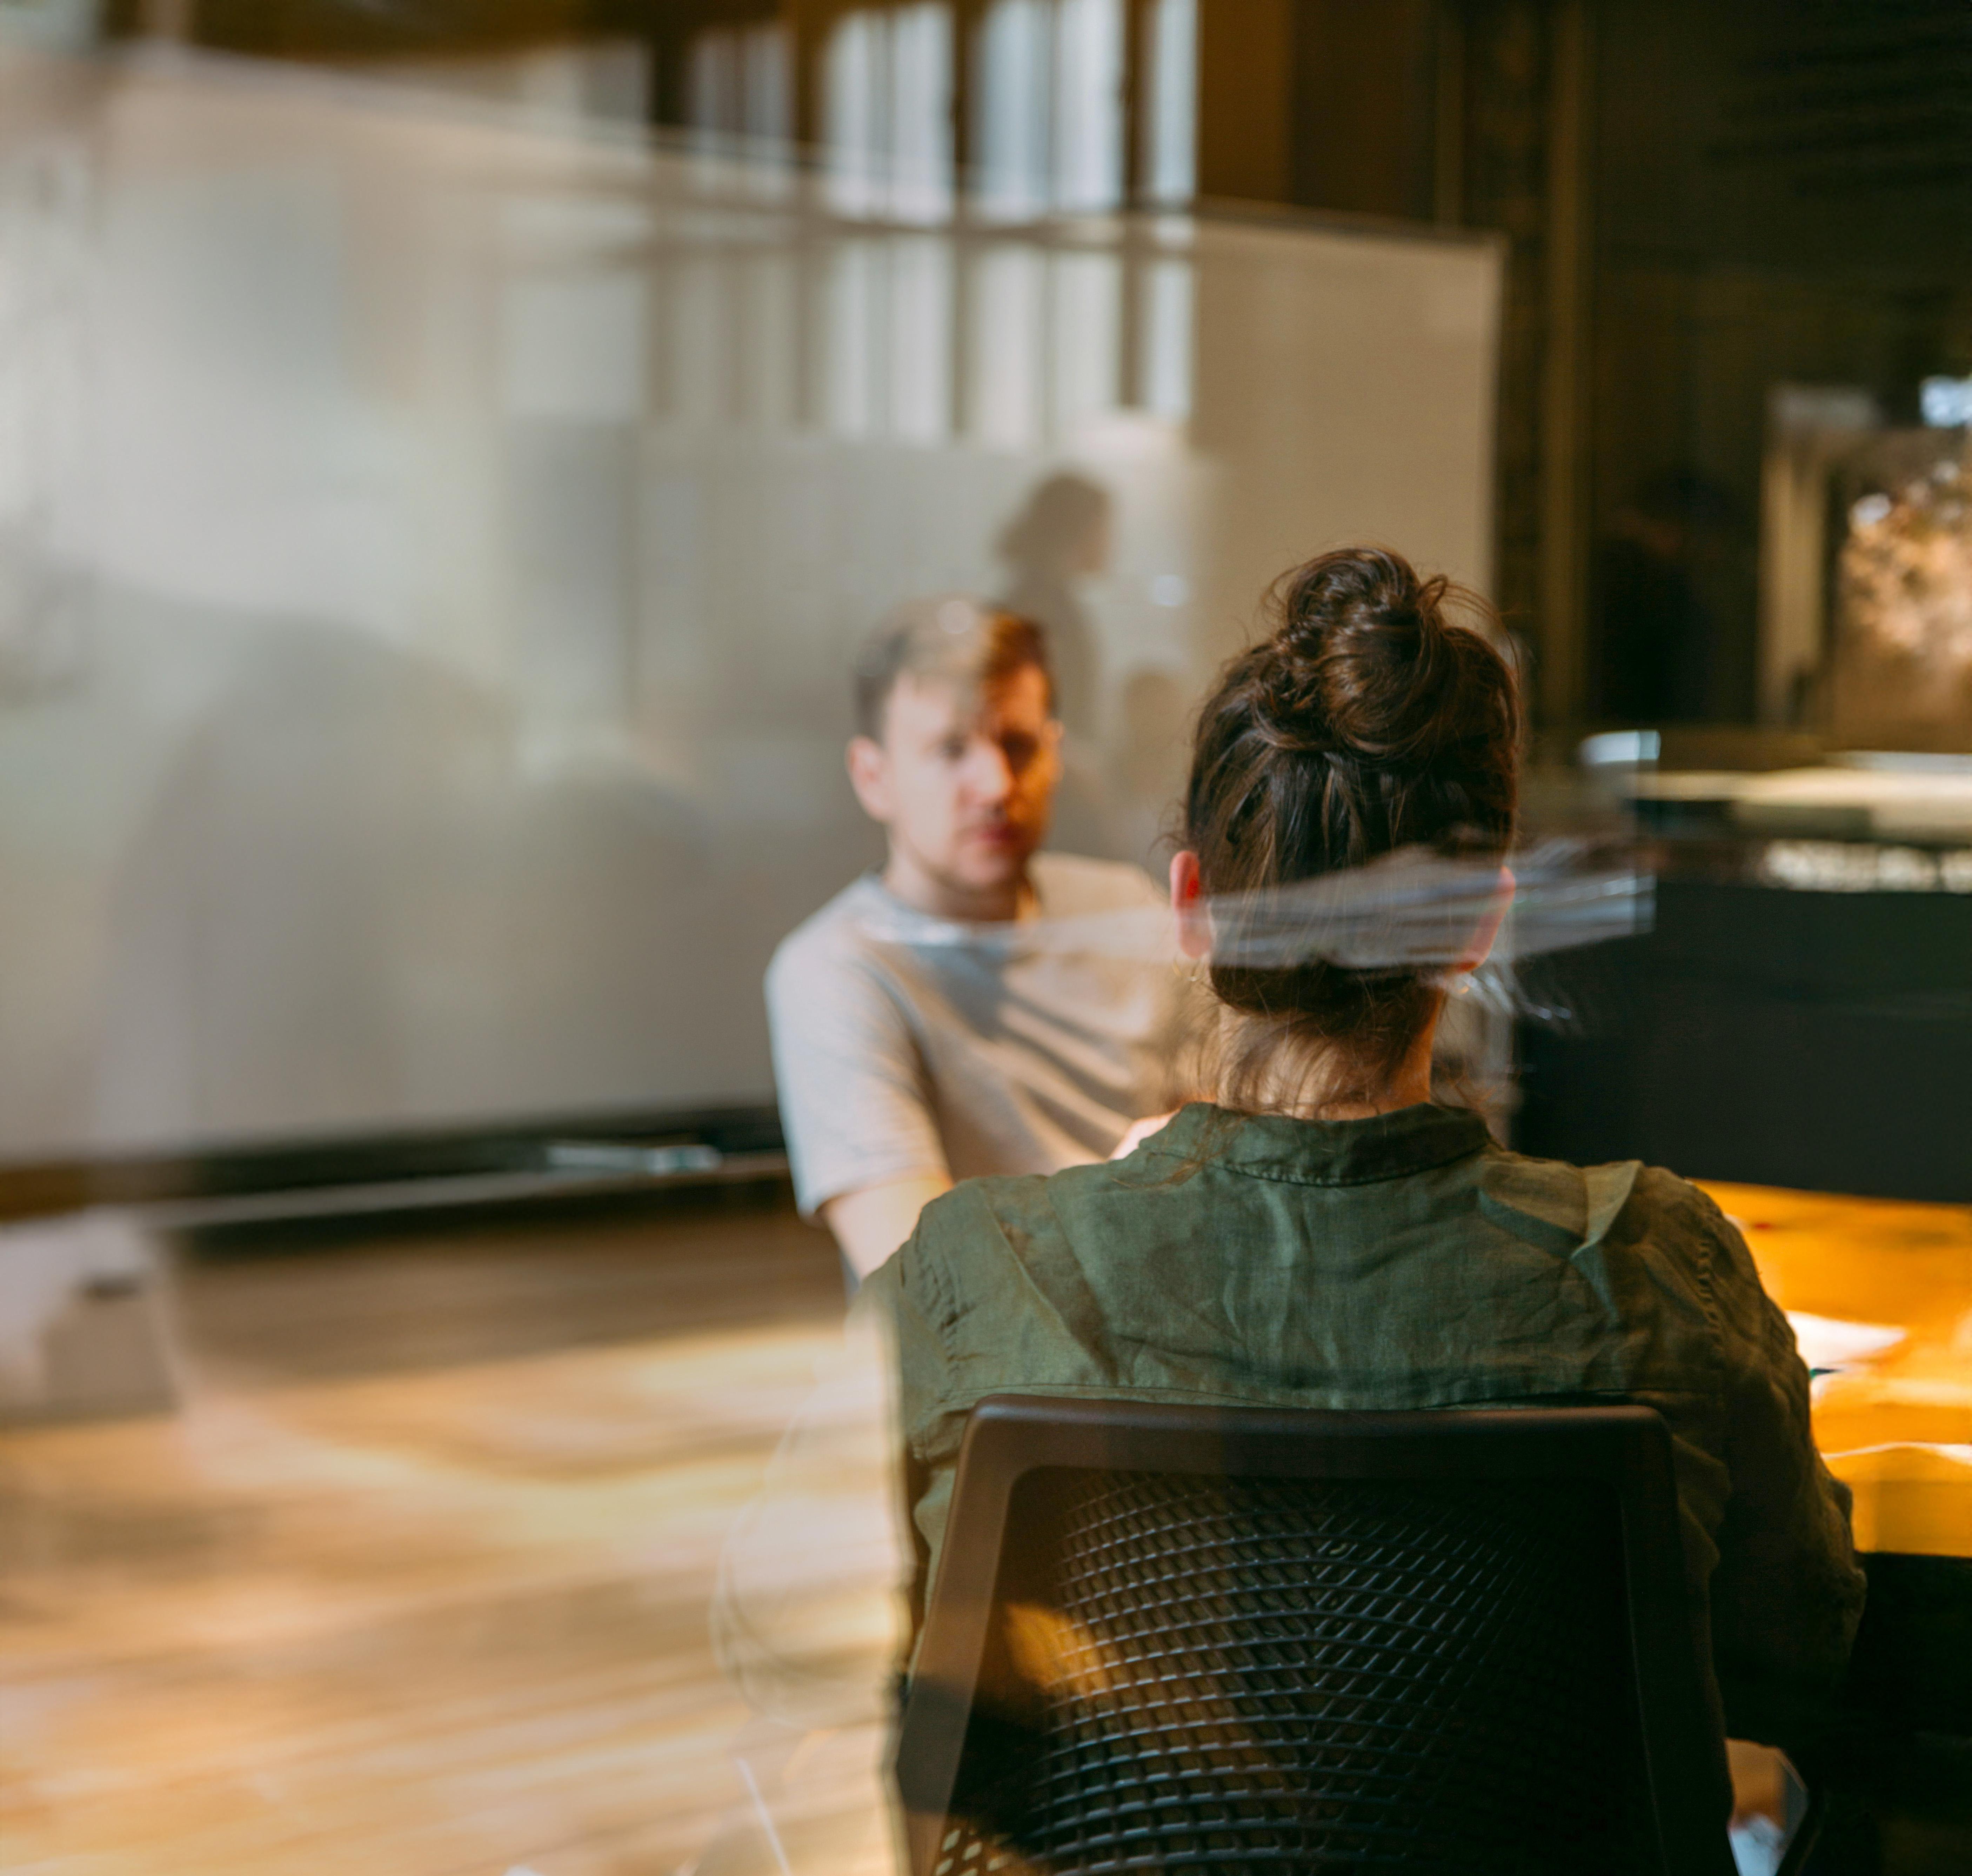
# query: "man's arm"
1139, 1131
871, 1223
854, 1103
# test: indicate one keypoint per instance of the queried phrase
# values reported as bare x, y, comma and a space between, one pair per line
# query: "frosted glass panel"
887, 75
920, 152
432, 547
1015, 108
1089, 165
1170, 119
1087, 331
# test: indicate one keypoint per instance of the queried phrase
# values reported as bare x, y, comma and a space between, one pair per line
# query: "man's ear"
1194, 923
870, 776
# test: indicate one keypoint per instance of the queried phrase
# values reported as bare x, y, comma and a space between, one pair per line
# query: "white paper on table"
1828, 1344
1959, 1454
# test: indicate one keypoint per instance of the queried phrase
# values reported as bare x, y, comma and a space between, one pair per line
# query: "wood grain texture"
1906, 1265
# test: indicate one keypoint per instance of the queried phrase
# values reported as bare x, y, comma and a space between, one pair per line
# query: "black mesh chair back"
1172, 1638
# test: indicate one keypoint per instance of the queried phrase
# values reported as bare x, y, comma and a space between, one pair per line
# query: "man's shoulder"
832, 933
1069, 884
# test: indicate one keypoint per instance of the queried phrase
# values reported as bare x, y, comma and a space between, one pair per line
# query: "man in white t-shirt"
932, 1021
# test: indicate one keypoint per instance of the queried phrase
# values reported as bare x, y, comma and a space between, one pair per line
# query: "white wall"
431, 543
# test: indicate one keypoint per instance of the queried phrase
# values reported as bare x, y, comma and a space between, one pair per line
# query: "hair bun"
1366, 664
1367, 723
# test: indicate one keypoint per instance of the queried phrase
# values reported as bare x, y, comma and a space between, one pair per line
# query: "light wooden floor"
416, 1582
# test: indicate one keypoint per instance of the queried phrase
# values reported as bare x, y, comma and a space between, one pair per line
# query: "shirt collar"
888, 919
1322, 1152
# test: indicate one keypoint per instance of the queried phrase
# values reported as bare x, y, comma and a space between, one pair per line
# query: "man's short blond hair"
952, 638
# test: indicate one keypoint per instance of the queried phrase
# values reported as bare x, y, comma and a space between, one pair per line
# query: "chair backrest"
1165, 1637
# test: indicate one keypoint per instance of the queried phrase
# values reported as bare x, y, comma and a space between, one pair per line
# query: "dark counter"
1771, 1036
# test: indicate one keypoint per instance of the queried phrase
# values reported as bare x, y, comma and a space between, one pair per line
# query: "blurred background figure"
920, 1038
1062, 536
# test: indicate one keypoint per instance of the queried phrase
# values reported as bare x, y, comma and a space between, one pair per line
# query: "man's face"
963, 781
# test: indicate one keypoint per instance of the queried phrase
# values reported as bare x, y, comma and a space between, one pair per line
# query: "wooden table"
1898, 1429
1910, 1265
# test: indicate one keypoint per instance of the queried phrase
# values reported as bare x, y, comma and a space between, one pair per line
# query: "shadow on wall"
1063, 533
1118, 793
349, 897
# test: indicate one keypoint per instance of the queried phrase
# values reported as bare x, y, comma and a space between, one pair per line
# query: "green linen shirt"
1404, 1261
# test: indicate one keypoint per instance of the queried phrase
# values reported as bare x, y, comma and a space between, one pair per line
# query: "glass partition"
433, 537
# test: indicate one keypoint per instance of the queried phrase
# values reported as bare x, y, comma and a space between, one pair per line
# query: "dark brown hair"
1368, 720
951, 638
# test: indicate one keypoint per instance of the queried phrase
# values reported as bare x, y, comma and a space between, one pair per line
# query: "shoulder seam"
1708, 1263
